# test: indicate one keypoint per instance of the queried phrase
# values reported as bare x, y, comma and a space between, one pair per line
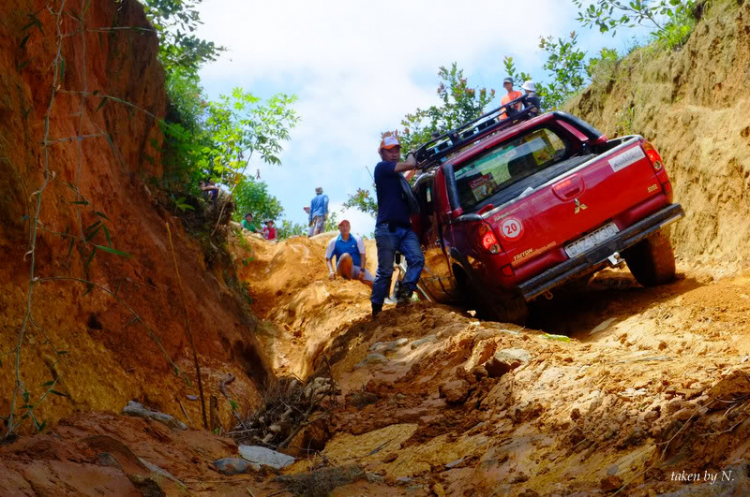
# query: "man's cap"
528, 86
508, 80
319, 190
345, 221
388, 142
249, 214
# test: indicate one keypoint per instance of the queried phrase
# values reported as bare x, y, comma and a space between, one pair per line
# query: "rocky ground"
648, 395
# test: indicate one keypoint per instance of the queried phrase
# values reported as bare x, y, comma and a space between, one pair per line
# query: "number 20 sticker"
511, 228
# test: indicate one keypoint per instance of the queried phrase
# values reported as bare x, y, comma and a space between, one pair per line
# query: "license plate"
591, 240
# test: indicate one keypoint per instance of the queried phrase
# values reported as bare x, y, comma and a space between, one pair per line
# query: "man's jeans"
405, 241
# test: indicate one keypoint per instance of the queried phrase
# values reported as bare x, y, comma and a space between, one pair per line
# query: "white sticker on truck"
624, 159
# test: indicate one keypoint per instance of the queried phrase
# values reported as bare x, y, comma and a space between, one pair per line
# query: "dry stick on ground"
188, 331
190, 421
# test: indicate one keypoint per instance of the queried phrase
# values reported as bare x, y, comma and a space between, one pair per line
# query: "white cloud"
358, 68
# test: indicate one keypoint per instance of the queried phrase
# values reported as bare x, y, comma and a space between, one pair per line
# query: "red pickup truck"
512, 208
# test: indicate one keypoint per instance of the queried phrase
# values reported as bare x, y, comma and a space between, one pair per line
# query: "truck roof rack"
431, 152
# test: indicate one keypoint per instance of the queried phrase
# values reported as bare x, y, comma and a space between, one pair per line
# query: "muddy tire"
507, 308
651, 261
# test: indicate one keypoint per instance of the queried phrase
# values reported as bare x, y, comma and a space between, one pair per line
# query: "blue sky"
358, 67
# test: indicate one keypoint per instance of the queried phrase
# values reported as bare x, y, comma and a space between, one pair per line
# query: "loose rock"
610, 483
372, 359
506, 360
264, 456
234, 466
455, 391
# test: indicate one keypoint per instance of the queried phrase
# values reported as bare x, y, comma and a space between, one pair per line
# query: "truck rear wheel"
509, 307
506, 308
651, 261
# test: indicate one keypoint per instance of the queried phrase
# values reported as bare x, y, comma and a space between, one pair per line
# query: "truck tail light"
487, 239
653, 156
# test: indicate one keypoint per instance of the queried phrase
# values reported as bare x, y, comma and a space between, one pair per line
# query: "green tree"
567, 70
252, 196
221, 139
241, 125
670, 21
512, 72
460, 103
289, 229
176, 21
332, 222
363, 201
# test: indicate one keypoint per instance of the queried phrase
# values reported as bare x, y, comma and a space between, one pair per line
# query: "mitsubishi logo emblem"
580, 207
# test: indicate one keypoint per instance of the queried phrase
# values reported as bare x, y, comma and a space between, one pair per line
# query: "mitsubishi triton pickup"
512, 208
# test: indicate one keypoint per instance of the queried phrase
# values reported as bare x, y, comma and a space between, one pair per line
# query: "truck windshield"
509, 163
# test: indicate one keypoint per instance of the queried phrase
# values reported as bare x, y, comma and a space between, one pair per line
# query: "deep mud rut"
650, 389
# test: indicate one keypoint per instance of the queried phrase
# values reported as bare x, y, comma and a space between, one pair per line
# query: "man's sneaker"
376, 308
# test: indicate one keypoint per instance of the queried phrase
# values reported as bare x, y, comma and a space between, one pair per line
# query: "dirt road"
648, 395
651, 381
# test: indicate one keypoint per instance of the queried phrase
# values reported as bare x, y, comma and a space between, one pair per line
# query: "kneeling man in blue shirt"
350, 256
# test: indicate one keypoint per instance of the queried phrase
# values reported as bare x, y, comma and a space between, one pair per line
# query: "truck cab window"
507, 164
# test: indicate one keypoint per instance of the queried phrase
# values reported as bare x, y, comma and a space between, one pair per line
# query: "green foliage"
671, 21
460, 103
363, 201
332, 222
176, 21
205, 139
252, 196
512, 72
288, 229
565, 65
602, 69
241, 125
607, 57
217, 139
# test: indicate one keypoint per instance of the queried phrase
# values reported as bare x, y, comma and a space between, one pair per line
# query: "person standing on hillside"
350, 256
532, 99
511, 95
393, 226
318, 212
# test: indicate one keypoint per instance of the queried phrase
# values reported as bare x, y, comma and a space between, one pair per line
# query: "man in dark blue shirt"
393, 226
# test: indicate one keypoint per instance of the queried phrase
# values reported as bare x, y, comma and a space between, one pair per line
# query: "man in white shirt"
350, 256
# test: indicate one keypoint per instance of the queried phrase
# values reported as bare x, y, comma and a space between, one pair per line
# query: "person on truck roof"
318, 212
511, 95
350, 256
393, 226
532, 100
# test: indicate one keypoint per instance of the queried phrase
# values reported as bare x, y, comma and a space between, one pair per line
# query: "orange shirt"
507, 98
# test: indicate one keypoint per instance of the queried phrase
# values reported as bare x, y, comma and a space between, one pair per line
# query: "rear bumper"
597, 257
